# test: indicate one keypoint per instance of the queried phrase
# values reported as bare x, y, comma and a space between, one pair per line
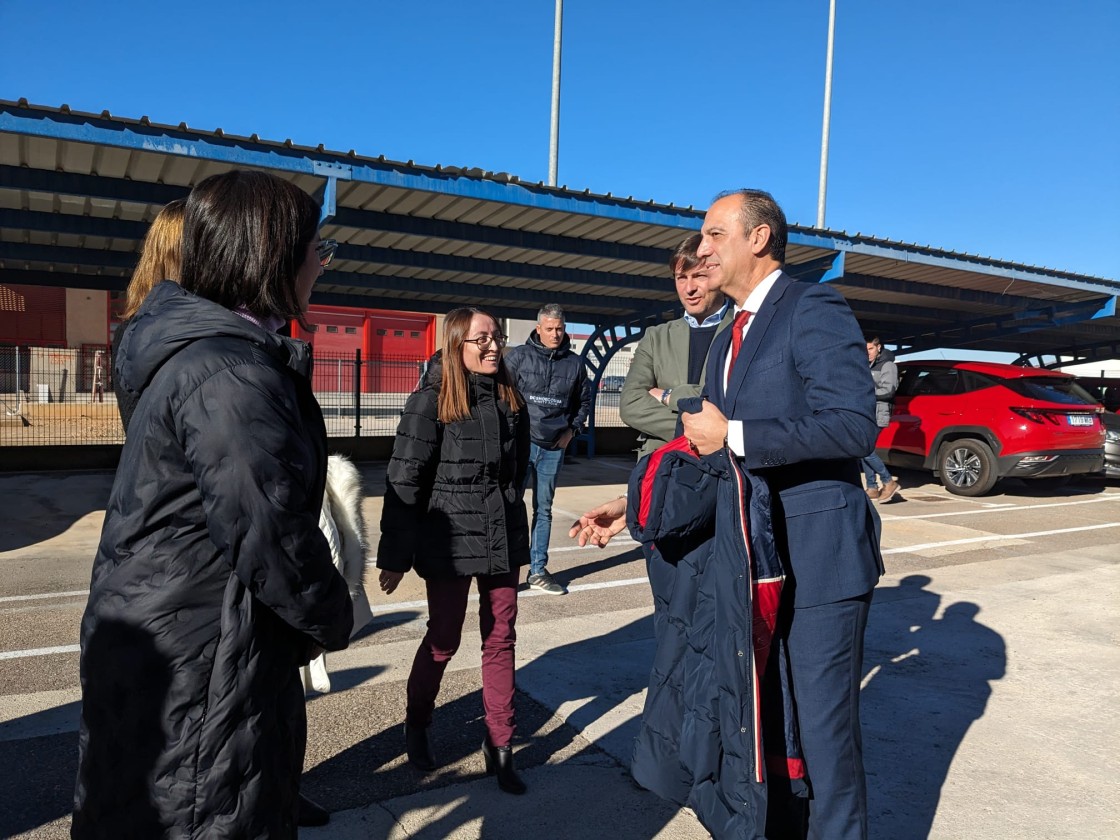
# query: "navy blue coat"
719, 715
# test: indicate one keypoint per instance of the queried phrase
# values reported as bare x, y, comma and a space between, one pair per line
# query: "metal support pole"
357, 392
827, 115
554, 134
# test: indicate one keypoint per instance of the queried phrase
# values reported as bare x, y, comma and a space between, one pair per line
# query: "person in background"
668, 364
159, 260
212, 582
553, 381
881, 485
454, 512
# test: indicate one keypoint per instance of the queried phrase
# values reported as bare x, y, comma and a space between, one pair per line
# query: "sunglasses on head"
325, 250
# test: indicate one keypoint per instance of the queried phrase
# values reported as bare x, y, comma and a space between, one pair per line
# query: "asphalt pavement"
989, 696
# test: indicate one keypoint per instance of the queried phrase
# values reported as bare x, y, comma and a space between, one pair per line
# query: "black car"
611, 383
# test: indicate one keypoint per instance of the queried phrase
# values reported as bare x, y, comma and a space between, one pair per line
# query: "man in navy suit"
796, 404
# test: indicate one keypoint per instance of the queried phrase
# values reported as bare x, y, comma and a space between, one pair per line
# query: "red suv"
974, 423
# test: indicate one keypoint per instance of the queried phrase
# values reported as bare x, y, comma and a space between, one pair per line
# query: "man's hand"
389, 581
565, 439
707, 430
656, 393
598, 525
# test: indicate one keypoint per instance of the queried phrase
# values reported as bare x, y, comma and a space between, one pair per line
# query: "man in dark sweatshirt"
553, 381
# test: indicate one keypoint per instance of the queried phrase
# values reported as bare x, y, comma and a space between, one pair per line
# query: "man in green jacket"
669, 361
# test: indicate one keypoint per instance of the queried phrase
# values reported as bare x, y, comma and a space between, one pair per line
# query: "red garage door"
394, 347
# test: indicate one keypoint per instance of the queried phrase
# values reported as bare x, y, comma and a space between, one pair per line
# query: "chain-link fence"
610, 390
59, 395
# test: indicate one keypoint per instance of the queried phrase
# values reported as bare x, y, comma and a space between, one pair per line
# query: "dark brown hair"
454, 392
159, 257
760, 208
684, 256
245, 236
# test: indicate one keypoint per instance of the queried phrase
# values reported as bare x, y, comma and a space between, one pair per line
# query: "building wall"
87, 315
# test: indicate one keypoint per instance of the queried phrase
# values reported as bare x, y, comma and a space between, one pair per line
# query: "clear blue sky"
984, 127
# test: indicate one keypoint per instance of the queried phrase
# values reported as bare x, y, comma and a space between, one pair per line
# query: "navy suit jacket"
802, 388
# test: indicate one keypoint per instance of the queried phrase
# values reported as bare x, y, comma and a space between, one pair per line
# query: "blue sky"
983, 127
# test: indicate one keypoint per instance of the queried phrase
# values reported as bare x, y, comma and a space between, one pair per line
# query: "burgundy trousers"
497, 616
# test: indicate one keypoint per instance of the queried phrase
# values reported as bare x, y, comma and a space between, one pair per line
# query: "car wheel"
967, 467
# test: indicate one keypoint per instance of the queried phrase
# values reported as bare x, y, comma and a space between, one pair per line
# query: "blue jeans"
544, 467
873, 466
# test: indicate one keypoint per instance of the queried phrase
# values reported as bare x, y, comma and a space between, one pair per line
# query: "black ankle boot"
417, 747
499, 760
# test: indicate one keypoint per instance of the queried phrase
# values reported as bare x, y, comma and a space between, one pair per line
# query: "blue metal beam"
136, 231
89, 186
823, 269
120, 189
251, 152
1012, 323
72, 224
930, 290
498, 268
424, 307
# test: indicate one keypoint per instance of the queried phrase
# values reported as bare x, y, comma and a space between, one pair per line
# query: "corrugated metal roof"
77, 191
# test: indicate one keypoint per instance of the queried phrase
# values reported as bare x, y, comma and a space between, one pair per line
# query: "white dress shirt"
751, 304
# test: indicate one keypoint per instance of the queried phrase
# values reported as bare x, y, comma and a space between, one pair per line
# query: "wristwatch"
665, 396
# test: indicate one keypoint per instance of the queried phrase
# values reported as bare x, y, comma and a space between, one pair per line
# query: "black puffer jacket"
554, 384
453, 492
211, 585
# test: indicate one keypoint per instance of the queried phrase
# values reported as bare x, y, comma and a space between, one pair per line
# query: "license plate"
1080, 419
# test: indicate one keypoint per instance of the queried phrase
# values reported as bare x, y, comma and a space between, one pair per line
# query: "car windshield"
1051, 389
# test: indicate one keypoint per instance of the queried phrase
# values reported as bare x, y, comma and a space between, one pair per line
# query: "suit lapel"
755, 335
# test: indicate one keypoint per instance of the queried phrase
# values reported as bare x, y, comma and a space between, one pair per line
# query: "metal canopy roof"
77, 192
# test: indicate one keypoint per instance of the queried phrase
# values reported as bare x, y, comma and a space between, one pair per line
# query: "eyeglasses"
325, 250
486, 340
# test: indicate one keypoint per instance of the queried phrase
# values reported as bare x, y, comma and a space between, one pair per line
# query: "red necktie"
737, 327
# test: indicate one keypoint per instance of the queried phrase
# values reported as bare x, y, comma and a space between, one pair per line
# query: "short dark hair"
684, 256
245, 236
760, 208
872, 338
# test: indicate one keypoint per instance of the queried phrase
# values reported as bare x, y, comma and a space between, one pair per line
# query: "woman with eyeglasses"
212, 582
453, 512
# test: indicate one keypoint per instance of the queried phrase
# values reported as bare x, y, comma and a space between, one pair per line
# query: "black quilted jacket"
212, 583
453, 496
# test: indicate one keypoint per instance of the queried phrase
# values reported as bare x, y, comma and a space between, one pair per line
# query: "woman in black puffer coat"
212, 582
453, 511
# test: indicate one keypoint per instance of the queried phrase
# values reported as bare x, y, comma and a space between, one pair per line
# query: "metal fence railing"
610, 387
64, 395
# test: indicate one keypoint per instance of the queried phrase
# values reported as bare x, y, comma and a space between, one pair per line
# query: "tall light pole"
827, 114
554, 140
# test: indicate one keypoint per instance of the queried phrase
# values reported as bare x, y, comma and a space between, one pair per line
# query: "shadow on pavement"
927, 679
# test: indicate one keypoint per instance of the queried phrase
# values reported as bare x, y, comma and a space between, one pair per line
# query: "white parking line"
997, 538
587, 587
1111, 497
23, 654
71, 594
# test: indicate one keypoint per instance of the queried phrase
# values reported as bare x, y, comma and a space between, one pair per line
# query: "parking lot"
990, 675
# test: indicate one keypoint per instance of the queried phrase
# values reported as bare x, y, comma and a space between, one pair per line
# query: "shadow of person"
578, 710
38, 763
123, 731
927, 680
